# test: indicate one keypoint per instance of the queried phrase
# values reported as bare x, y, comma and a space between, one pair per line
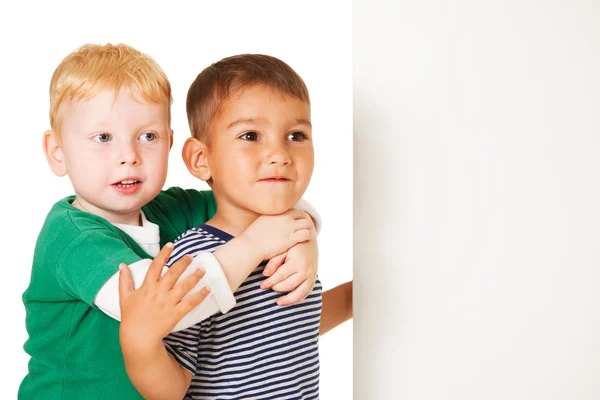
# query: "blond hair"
92, 68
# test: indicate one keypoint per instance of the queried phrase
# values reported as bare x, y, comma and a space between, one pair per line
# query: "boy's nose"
278, 155
132, 162
129, 155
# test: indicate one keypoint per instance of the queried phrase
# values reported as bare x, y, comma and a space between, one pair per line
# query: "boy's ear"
194, 157
54, 153
171, 139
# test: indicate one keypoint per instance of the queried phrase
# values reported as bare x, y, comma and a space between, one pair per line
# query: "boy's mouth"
126, 183
275, 179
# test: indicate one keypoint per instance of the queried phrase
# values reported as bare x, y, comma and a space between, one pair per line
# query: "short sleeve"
183, 346
90, 260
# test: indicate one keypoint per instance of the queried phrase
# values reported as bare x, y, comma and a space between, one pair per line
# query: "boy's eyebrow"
244, 120
301, 121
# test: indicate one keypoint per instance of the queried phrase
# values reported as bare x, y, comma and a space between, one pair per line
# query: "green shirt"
74, 347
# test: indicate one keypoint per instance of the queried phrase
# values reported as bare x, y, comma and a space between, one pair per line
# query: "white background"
183, 37
477, 199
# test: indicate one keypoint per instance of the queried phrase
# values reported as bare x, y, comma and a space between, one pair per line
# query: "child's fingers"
277, 277
288, 284
187, 305
126, 286
187, 284
170, 277
158, 263
295, 213
312, 222
301, 214
307, 217
303, 235
303, 223
296, 296
274, 263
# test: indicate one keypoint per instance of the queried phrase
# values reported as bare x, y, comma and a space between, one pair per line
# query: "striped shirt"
258, 350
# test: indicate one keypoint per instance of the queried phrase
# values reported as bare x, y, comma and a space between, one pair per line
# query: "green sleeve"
89, 260
177, 210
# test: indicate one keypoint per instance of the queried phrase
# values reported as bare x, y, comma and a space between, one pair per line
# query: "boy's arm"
177, 210
337, 307
164, 377
226, 268
265, 238
220, 299
148, 314
188, 208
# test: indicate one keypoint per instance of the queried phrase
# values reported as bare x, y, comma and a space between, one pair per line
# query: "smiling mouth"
126, 183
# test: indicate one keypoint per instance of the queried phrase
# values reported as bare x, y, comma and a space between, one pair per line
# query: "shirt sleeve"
183, 346
90, 260
177, 210
200, 204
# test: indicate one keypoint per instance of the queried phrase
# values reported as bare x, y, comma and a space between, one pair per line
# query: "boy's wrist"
244, 245
238, 257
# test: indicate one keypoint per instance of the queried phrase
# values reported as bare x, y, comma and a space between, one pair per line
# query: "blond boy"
110, 118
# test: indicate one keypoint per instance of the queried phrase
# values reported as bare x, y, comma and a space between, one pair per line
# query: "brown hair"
92, 68
213, 86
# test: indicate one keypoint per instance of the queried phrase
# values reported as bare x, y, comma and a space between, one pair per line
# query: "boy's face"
260, 151
115, 151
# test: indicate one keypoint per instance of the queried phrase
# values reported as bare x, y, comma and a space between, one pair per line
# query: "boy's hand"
295, 271
271, 235
151, 312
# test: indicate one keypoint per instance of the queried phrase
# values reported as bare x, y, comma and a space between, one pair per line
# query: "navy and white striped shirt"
258, 350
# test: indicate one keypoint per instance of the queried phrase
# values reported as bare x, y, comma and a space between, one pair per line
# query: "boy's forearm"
155, 374
238, 259
337, 307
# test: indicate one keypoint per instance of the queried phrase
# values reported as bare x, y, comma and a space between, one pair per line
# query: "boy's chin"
273, 208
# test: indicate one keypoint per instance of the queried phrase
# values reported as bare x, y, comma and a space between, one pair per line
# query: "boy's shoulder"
64, 219
66, 226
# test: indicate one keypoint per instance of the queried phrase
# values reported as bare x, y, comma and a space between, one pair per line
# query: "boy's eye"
252, 136
296, 136
148, 136
102, 137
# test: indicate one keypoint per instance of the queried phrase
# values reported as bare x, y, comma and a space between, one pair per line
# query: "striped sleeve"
183, 346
